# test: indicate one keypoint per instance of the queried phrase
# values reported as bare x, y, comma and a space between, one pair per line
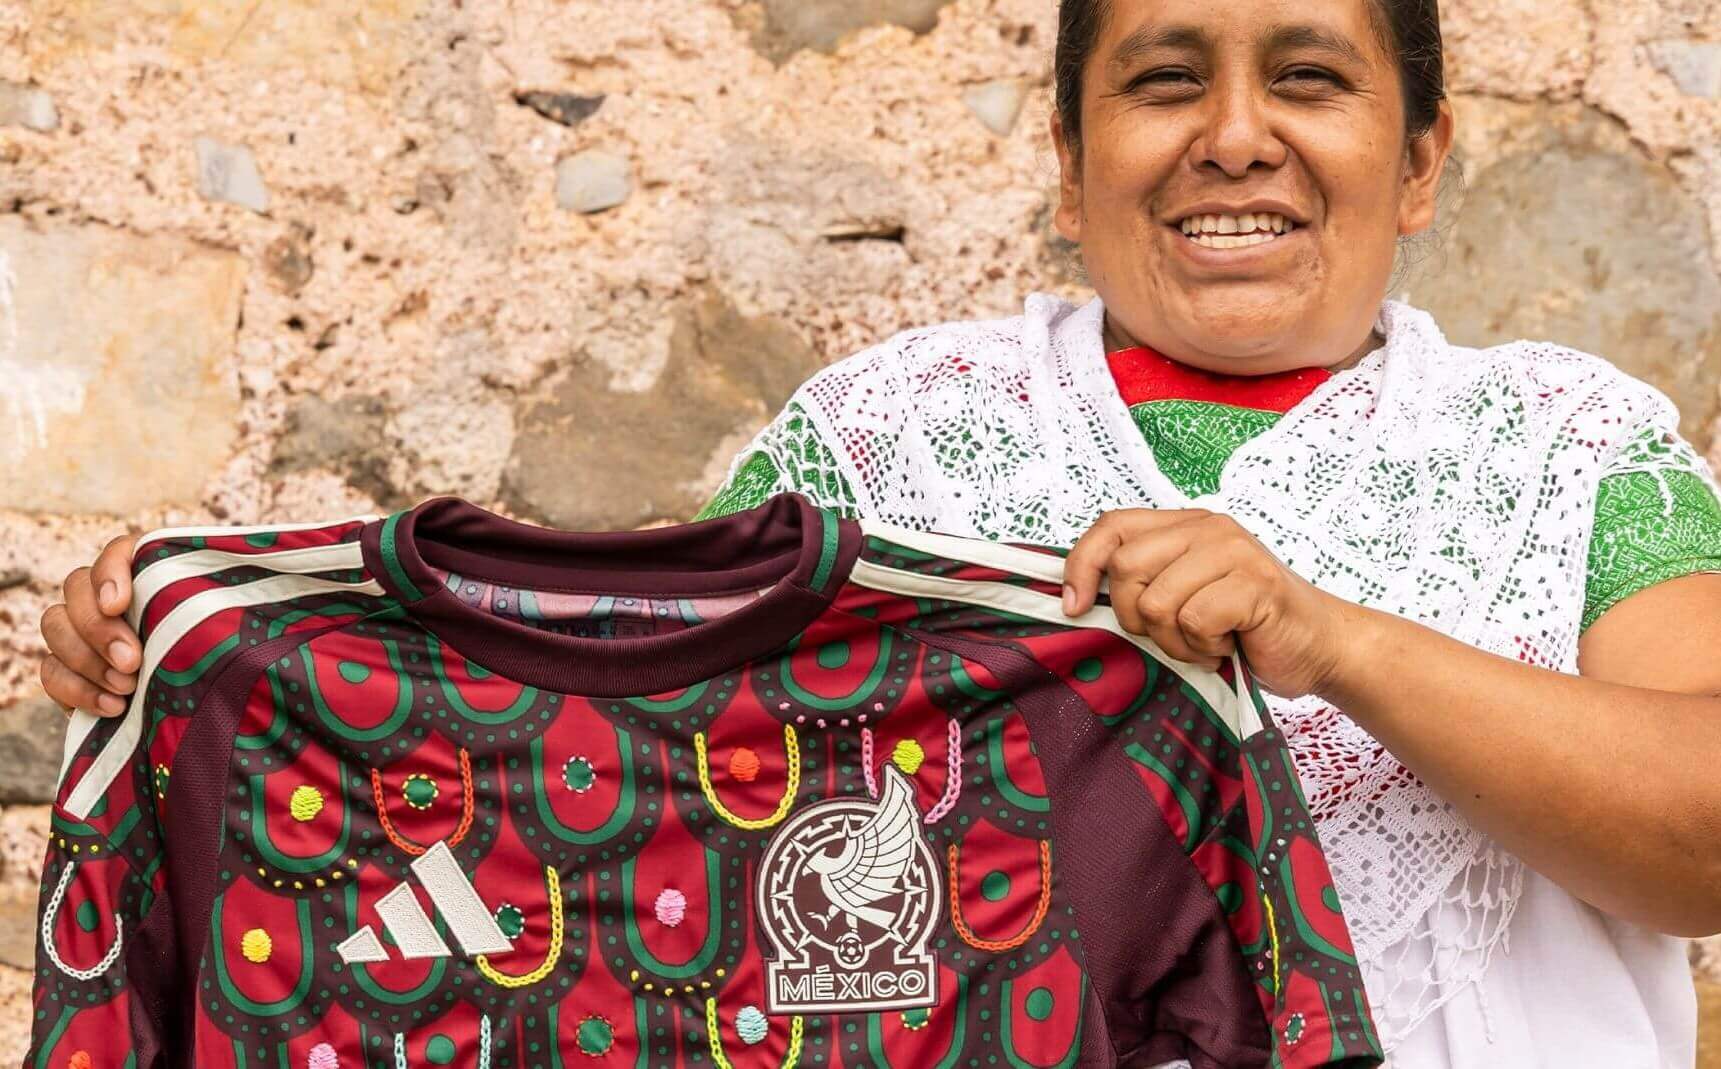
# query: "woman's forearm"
1614, 792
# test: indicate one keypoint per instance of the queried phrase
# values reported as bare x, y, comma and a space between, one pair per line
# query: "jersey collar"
802, 552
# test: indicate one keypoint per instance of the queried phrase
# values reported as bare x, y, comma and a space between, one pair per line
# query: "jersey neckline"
804, 553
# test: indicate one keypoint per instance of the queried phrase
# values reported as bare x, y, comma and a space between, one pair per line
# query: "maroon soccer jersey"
773, 789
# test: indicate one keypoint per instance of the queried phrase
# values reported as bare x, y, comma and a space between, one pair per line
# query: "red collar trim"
1143, 374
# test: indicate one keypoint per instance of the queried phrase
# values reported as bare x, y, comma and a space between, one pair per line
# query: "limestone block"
117, 387
1572, 236
359, 45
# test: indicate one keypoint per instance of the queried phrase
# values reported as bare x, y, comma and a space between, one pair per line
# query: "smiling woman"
1481, 585
1178, 125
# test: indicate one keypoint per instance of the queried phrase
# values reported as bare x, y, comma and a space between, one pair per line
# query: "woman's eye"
1307, 76
1169, 76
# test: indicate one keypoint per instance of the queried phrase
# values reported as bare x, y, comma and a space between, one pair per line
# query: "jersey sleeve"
1657, 517
106, 962
101, 880
788, 454
1202, 744
1178, 817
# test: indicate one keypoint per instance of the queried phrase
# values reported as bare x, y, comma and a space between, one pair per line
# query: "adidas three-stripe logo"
453, 896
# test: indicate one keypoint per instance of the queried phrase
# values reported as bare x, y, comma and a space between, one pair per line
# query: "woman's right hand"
93, 654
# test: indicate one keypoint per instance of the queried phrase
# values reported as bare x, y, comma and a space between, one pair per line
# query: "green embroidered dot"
440, 1050
353, 672
595, 1036
994, 886
1039, 1005
88, 918
1230, 897
578, 775
510, 920
419, 790
1088, 669
1330, 896
262, 539
833, 654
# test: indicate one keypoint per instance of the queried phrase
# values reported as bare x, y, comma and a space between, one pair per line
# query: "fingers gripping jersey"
773, 789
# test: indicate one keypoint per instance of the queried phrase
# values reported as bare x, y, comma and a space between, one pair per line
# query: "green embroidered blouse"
1193, 421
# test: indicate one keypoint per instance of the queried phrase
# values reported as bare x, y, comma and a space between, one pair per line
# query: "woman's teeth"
1236, 231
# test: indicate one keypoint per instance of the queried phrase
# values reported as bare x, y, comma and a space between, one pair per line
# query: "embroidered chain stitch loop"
998, 945
406, 845
483, 1045
553, 887
952, 778
1273, 942
791, 1056
1450, 486
952, 774
52, 911
791, 750
867, 775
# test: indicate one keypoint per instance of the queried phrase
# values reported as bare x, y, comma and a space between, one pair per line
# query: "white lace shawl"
1454, 487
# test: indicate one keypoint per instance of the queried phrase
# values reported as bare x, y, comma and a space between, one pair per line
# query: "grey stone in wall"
27, 106
117, 356
593, 181
346, 436
591, 458
997, 104
1578, 242
569, 109
791, 25
30, 734
228, 173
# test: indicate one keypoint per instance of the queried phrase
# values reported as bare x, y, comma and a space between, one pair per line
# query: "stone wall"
265, 261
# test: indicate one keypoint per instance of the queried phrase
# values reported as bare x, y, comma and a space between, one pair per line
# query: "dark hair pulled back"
1410, 29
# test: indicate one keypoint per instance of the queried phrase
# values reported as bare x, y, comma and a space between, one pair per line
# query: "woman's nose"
1236, 134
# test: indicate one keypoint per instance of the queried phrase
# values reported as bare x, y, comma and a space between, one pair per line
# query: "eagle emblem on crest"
848, 894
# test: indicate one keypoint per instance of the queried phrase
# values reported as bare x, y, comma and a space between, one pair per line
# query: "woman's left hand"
1197, 583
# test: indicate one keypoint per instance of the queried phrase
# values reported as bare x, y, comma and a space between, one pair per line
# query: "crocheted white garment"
1454, 487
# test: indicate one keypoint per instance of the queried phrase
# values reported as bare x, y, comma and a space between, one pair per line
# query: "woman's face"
1244, 178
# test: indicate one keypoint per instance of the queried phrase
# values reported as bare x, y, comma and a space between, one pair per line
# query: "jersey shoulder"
981, 593
202, 597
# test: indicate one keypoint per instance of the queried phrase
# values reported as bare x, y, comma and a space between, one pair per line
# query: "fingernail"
116, 650
110, 592
1069, 601
117, 681
110, 703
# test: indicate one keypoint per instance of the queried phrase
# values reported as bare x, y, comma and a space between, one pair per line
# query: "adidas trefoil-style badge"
848, 894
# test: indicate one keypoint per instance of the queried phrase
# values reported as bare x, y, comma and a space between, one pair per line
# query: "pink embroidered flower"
671, 906
322, 1057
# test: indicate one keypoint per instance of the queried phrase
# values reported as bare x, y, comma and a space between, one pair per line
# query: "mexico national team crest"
848, 895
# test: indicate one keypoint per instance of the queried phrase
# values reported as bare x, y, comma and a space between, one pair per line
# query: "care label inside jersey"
594, 615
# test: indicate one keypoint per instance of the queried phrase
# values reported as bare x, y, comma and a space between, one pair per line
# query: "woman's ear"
1068, 218
1427, 160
